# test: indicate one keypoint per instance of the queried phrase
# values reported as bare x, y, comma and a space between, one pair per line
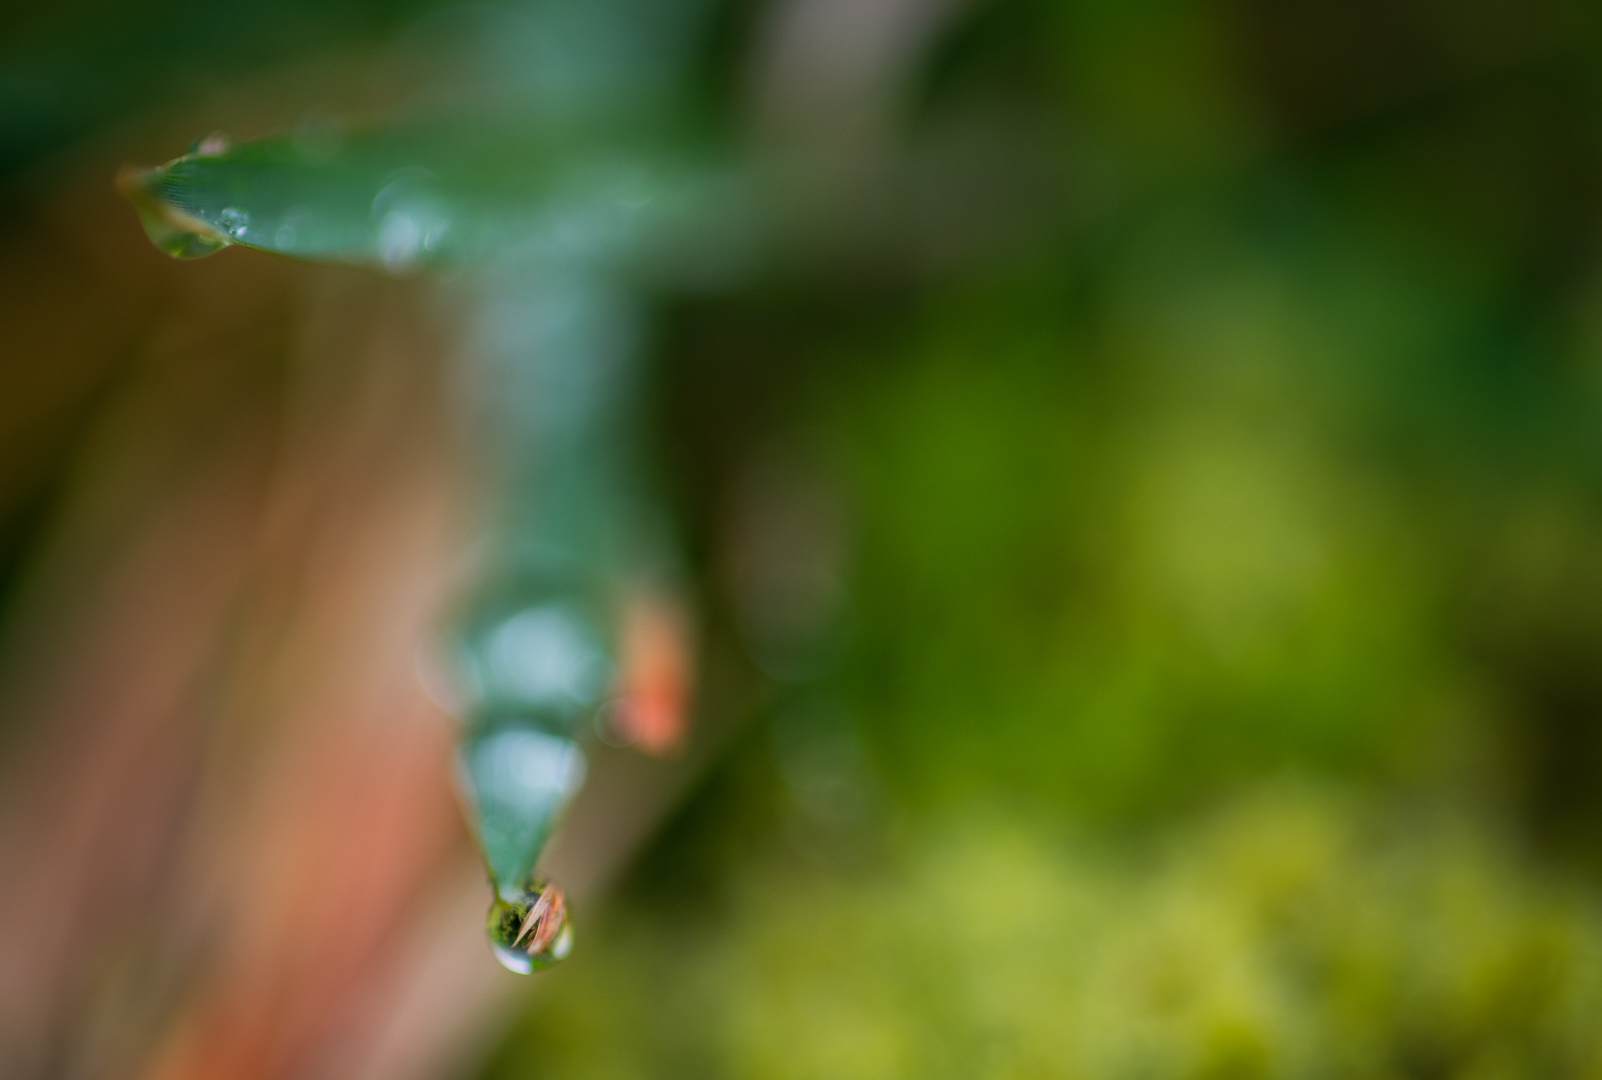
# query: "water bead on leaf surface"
218, 142
235, 222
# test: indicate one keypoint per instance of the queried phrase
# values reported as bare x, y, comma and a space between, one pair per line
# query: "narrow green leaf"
405, 198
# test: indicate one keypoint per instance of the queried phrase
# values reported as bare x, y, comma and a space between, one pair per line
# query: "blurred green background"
1161, 546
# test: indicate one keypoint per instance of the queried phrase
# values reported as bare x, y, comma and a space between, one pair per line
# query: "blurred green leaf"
448, 193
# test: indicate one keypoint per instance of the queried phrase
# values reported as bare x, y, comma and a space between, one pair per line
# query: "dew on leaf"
218, 142
235, 222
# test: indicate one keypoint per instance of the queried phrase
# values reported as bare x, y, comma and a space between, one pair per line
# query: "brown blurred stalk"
225, 794
229, 841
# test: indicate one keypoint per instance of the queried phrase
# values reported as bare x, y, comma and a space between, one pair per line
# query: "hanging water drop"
529, 929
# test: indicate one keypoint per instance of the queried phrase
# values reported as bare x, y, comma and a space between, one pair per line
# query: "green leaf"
403, 198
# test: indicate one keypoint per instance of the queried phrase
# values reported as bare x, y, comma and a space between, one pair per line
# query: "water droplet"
172, 231
400, 239
183, 245
412, 219
547, 655
234, 222
529, 928
218, 142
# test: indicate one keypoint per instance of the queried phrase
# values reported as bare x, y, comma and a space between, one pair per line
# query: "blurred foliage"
1271, 440
1264, 443
1291, 935
1209, 393
67, 69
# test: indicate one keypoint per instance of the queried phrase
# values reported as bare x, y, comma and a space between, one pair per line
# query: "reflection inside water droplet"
529, 929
